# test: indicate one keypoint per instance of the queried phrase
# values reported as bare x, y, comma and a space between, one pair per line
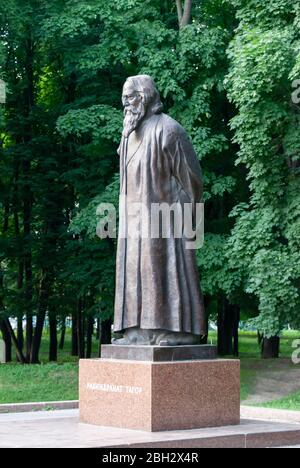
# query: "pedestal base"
159, 396
159, 353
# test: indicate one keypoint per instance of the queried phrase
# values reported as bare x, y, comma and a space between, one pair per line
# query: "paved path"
38, 406
62, 429
274, 379
270, 414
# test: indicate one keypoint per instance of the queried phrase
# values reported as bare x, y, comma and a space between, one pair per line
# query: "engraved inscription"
112, 388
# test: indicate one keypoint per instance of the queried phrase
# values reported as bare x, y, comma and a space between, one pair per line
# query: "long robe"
157, 282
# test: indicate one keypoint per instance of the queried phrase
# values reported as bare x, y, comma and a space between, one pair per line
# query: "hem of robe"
201, 332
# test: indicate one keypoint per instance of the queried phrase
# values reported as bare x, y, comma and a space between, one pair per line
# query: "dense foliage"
225, 72
264, 246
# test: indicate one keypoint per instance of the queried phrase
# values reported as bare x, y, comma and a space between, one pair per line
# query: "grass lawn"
47, 382
59, 381
291, 402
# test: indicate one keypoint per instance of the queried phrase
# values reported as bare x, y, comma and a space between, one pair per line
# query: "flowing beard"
133, 117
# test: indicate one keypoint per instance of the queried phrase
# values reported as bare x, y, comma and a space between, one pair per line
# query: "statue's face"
130, 97
134, 108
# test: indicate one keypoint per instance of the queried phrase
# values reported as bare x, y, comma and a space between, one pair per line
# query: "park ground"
272, 383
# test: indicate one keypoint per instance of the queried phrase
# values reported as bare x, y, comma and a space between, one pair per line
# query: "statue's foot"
134, 336
121, 341
177, 339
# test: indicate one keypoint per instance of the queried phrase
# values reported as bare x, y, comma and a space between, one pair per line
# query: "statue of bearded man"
158, 298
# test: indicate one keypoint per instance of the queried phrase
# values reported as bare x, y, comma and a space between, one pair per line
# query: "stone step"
61, 429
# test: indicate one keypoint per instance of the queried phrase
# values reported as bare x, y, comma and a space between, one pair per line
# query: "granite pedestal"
157, 395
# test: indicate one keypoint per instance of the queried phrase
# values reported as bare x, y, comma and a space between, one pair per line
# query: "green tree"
64, 63
264, 245
188, 61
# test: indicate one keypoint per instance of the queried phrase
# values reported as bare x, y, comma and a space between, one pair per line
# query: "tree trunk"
20, 332
53, 339
8, 348
7, 340
235, 334
80, 329
270, 347
20, 356
89, 337
105, 335
63, 335
98, 329
27, 200
204, 338
19, 253
27, 196
187, 15
74, 345
106, 331
206, 300
179, 10
40, 320
184, 15
8, 332
29, 334
20, 335
228, 325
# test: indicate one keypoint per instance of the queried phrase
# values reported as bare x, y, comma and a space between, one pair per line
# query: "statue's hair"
145, 85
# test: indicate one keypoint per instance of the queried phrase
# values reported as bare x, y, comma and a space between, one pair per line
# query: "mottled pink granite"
160, 396
111, 407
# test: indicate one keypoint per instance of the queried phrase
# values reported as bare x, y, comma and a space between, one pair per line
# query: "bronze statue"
158, 298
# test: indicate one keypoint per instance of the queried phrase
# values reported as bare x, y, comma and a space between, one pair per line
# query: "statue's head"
140, 98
